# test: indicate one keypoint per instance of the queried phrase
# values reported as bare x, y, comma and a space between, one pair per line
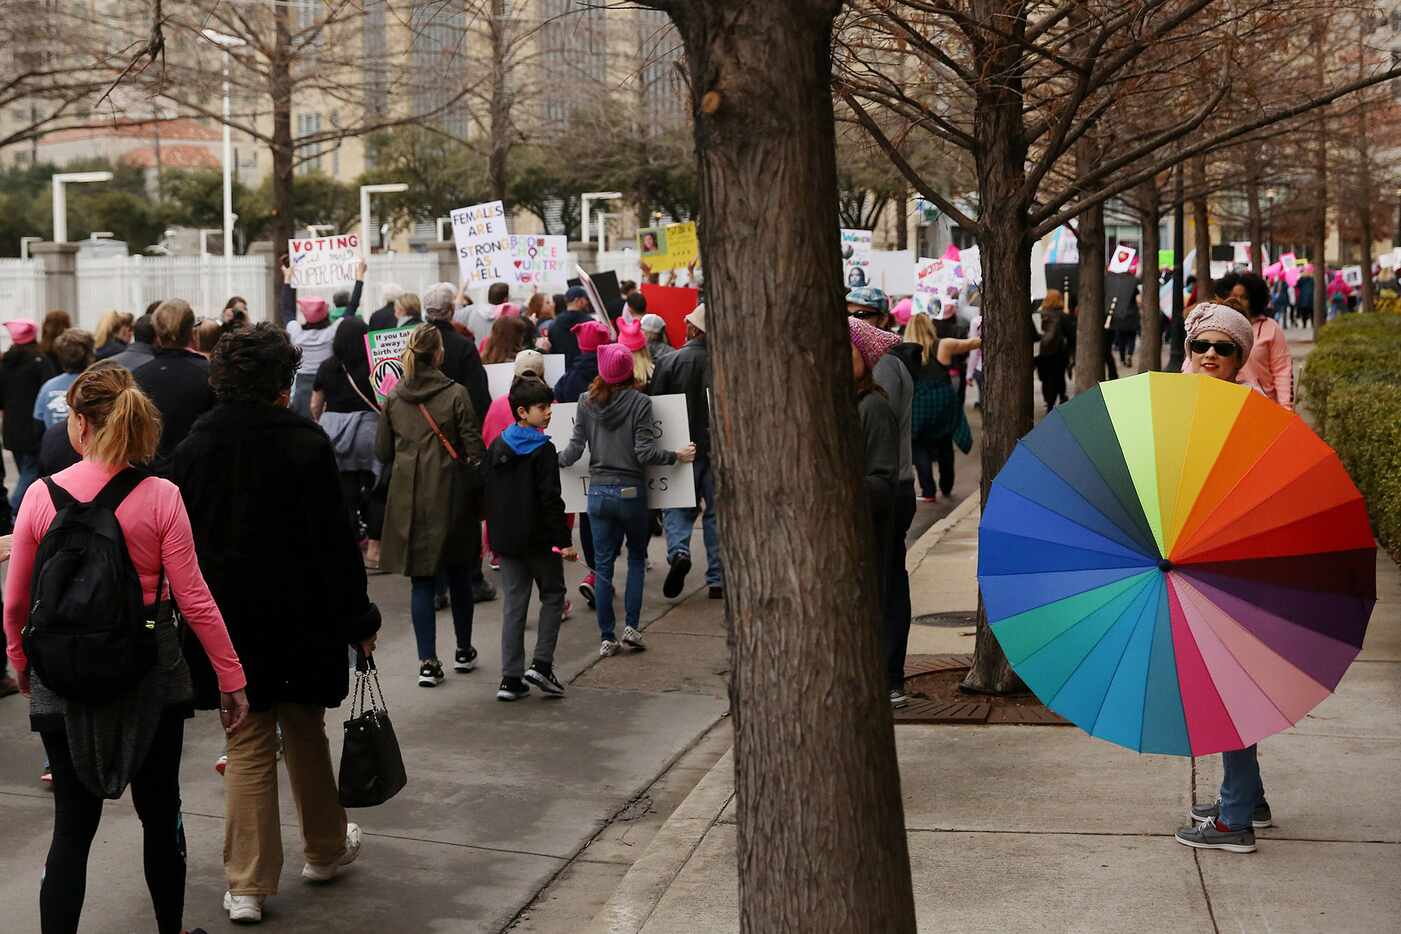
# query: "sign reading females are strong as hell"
483, 243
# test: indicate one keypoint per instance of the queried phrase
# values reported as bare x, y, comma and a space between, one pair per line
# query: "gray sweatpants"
518, 577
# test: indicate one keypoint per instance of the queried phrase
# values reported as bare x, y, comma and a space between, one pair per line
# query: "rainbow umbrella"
1177, 564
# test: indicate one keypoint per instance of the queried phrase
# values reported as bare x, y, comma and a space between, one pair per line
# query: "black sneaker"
512, 689
1210, 835
441, 602
542, 675
676, 577
1260, 818
717, 593
483, 592
430, 675
464, 661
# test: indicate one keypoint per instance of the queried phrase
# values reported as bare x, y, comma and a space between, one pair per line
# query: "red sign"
673, 304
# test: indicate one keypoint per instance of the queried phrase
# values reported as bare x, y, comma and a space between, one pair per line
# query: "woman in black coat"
275, 544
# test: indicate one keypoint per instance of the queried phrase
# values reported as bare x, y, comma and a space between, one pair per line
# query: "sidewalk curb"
641, 889
930, 539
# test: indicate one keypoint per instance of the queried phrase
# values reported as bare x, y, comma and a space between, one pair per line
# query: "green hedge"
1352, 387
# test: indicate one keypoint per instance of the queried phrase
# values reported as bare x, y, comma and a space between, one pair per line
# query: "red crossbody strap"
452, 451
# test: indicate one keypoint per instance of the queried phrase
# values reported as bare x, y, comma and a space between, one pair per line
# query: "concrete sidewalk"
1045, 829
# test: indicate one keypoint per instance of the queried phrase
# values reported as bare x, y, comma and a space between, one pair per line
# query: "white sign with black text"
670, 487
500, 375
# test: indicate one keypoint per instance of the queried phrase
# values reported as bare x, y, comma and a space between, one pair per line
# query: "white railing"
130, 283
22, 293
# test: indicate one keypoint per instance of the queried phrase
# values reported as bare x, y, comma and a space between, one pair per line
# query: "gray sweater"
879, 430
621, 437
893, 376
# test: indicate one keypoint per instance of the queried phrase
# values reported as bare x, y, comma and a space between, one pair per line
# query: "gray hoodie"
622, 439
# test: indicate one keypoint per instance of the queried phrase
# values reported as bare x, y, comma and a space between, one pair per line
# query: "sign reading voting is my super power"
671, 487
323, 261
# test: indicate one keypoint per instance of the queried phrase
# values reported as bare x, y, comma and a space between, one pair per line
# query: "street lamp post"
228, 43
365, 192
61, 198
204, 261
586, 201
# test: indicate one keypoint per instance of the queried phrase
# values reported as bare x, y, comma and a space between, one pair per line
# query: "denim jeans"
679, 522
425, 615
1241, 788
618, 514
28, 465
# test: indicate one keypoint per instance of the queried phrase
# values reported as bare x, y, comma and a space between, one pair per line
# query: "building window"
574, 43
312, 157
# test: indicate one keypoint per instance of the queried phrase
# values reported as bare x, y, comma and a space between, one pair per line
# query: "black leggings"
356, 486
155, 791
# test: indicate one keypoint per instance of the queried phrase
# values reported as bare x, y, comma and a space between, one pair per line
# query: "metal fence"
130, 283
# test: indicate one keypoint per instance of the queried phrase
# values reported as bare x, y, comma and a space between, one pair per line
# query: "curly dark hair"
1257, 291
254, 364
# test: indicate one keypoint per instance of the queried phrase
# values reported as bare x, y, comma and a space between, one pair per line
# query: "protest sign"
971, 262
892, 270
1123, 259
538, 261
483, 243
1352, 275
385, 350
323, 262
929, 285
673, 304
674, 246
670, 487
596, 299
856, 257
500, 375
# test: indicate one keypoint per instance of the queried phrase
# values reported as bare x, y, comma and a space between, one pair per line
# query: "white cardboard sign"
499, 375
483, 243
672, 487
323, 262
538, 261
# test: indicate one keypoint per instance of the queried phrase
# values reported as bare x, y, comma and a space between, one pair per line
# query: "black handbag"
372, 767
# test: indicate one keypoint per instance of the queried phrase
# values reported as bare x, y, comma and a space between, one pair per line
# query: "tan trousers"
252, 825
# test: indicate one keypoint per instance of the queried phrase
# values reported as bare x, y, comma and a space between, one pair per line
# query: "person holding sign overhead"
615, 421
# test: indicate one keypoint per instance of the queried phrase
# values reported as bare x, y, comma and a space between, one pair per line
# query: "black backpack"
87, 636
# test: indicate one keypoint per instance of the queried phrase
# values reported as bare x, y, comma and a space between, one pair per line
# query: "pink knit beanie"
614, 363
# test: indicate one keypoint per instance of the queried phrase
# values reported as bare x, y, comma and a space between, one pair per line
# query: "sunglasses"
1222, 348
865, 313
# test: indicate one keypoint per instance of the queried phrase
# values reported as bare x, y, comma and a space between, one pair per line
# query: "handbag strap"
366, 686
351, 380
452, 451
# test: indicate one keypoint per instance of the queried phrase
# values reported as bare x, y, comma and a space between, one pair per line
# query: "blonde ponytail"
126, 426
424, 344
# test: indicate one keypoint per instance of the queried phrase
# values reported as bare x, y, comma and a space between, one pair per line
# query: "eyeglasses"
865, 313
1222, 348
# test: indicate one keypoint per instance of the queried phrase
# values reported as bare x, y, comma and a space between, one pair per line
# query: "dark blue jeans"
28, 464
618, 514
1241, 788
425, 615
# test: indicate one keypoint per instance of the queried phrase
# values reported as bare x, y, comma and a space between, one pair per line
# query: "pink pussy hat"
21, 332
630, 335
614, 363
902, 311
314, 310
591, 335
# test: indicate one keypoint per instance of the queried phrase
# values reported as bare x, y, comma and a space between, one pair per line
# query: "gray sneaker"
1208, 835
1260, 818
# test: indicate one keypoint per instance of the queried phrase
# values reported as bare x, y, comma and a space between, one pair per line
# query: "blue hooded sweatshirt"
523, 439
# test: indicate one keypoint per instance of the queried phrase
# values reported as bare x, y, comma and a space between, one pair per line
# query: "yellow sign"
671, 247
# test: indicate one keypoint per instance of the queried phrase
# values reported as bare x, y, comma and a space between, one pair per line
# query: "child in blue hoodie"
525, 521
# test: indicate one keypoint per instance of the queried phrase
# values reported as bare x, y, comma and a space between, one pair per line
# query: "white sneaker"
633, 639
244, 909
353, 839
607, 647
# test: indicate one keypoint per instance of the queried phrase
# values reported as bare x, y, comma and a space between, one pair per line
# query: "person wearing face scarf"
310, 329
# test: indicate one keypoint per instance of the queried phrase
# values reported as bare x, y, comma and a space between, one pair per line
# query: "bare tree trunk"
280, 86
821, 829
999, 128
500, 105
1090, 337
1257, 223
1150, 347
1201, 224
1319, 247
902, 221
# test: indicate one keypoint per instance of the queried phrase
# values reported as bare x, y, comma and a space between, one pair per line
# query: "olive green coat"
433, 517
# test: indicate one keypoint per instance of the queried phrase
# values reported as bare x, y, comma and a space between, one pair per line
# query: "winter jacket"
562, 339
621, 437
275, 544
433, 517
178, 383
23, 369
383, 319
1269, 365
893, 376
524, 503
110, 349
577, 378
688, 371
463, 365
660, 349
137, 353
881, 431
